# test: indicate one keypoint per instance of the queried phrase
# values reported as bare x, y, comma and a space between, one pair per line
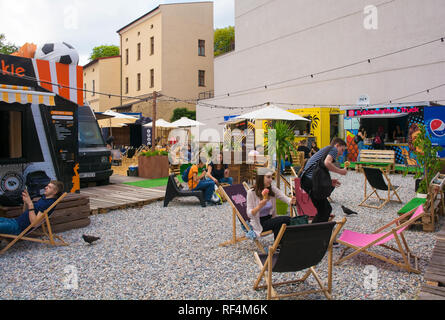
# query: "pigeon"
348, 211
90, 239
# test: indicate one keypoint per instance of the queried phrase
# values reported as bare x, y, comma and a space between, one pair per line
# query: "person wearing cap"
262, 204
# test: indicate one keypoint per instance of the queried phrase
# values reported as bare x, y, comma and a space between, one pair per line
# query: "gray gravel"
173, 253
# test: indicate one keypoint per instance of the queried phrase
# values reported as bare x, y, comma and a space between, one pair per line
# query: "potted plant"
153, 164
284, 136
429, 162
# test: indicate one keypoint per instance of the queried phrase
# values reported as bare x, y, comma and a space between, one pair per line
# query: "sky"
84, 24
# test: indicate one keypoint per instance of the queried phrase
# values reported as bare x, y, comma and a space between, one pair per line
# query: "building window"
152, 45
139, 51
201, 48
152, 78
126, 85
94, 88
201, 78
84, 90
126, 56
139, 82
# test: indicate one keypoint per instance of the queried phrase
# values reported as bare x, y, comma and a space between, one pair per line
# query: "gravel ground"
173, 253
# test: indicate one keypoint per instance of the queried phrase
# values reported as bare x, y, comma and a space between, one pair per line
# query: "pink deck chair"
361, 242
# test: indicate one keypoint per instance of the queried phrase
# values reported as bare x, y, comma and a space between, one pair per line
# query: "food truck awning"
27, 96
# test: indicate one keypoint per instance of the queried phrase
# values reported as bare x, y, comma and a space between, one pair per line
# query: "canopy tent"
271, 112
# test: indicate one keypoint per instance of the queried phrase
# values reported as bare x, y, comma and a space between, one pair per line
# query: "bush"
154, 153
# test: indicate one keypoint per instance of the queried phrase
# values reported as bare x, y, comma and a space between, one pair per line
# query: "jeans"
284, 164
9, 226
323, 206
208, 186
228, 180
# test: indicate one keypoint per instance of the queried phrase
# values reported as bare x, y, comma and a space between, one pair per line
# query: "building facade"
168, 50
314, 53
102, 75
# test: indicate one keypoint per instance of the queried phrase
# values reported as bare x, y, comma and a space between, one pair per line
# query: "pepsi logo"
437, 127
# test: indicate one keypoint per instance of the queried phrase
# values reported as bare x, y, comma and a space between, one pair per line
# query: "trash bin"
132, 171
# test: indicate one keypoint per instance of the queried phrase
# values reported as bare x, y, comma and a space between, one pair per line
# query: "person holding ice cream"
262, 204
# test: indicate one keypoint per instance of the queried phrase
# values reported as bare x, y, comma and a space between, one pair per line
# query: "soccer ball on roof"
57, 52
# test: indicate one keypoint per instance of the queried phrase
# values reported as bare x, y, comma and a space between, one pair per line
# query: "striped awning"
26, 96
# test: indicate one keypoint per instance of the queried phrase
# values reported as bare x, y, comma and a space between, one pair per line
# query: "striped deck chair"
236, 196
363, 242
46, 230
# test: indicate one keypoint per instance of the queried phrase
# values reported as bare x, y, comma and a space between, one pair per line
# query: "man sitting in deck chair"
31, 211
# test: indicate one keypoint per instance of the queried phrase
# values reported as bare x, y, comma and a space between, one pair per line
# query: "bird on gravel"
90, 239
348, 211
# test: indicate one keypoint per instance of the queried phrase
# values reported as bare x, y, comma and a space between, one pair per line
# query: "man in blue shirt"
323, 206
32, 211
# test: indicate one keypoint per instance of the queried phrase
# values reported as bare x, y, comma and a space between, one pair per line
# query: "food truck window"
18, 137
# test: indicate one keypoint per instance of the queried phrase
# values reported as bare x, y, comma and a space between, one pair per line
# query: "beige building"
168, 50
102, 75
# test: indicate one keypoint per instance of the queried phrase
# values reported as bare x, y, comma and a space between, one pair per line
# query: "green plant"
154, 153
426, 155
284, 136
104, 51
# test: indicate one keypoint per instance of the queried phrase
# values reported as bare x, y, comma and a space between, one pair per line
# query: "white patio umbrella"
116, 121
161, 123
185, 122
271, 112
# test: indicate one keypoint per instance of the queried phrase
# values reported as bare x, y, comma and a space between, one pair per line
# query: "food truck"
398, 123
38, 123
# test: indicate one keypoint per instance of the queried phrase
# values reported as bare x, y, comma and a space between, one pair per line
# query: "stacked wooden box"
72, 213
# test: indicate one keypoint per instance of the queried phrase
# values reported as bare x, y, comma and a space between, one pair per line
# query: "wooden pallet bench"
377, 158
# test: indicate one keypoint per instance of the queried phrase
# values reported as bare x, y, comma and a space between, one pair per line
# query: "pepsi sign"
437, 128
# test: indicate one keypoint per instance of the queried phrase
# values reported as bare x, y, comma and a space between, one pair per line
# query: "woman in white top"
262, 208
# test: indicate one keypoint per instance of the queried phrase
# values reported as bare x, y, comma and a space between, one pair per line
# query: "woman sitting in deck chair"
31, 211
262, 207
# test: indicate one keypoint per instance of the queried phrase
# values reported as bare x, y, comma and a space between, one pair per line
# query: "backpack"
378, 140
36, 182
321, 179
185, 175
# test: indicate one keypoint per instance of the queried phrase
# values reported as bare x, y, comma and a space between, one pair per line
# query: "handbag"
299, 220
304, 203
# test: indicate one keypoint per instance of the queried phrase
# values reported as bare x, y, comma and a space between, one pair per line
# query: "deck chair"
173, 191
46, 230
236, 196
375, 177
362, 242
302, 247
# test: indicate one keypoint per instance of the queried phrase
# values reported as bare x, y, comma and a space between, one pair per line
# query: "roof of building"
150, 12
97, 59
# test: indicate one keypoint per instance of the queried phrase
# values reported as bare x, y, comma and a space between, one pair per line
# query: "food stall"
39, 131
387, 118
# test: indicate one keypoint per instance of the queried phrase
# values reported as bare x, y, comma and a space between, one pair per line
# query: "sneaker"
335, 244
211, 203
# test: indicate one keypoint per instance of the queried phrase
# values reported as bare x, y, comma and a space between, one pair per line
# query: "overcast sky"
84, 23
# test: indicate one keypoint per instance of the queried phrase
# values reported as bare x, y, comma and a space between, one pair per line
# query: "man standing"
31, 211
323, 206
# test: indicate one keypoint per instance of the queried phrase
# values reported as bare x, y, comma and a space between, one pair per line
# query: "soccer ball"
57, 52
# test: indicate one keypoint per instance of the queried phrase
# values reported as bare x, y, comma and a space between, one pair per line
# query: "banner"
435, 126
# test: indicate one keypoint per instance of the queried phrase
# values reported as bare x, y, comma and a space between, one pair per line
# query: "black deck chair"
376, 178
302, 247
173, 191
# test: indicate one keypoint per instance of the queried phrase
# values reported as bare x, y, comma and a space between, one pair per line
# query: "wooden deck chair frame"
404, 250
266, 270
382, 201
236, 214
46, 230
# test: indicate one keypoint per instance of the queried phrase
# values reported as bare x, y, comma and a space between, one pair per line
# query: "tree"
104, 51
6, 48
224, 40
178, 113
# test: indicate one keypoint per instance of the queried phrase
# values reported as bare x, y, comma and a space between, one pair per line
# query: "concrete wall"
281, 40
